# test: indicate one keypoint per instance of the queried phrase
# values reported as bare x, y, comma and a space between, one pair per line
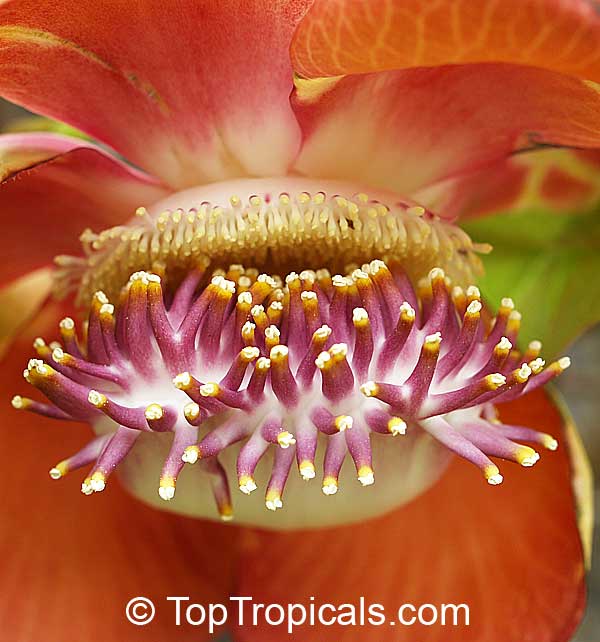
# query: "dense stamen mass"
290, 366
270, 228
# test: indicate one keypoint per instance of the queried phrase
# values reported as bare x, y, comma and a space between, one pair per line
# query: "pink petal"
55, 188
404, 130
554, 180
18, 151
192, 92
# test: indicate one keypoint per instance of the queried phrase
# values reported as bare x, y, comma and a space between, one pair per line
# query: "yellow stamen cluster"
314, 230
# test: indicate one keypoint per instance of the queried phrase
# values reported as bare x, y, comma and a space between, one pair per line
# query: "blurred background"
580, 385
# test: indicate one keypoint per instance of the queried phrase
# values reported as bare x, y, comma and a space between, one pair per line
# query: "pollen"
344, 360
321, 230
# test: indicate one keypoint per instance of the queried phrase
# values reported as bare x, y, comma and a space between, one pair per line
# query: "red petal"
512, 553
403, 130
70, 565
56, 195
192, 92
344, 36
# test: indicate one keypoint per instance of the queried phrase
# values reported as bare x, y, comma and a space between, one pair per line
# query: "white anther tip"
209, 389
278, 352
497, 379
96, 398
55, 473
285, 439
182, 380
367, 479
323, 332
67, 324
369, 389
495, 480
527, 462
97, 485
190, 455
245, 298
407, 309
273, 504
359, 315
86, 488
322, 359
307, 471
250, 353
248, 486
166, 492
154, 412
564, 363
329, 489
473, 292
474, 307
397, 427
504, 344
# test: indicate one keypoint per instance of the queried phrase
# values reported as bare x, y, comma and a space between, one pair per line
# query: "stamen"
312, 229
285, 382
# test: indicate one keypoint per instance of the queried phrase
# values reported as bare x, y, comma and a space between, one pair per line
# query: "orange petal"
512, 553
348, 36
192, 92
70, 565
404, 130
54, 188
19, 301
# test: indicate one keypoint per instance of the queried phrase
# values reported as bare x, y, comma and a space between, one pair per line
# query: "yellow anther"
191, 455
154, 412
397, 426
307, 470
183, 381
369, 389
343, 422
273, 500
366, 476
210, 389
330, 485
166, 488
492, 474
526, 456
285, 439
247, 484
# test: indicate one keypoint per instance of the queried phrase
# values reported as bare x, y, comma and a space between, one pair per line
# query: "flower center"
244, 374
276, 225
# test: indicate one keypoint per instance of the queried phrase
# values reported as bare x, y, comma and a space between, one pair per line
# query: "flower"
380, 132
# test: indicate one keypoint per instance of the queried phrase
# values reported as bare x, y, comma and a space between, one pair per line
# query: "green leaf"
32, 123
550, 265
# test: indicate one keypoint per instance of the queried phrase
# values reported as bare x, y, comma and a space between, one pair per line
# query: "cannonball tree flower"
278, 298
